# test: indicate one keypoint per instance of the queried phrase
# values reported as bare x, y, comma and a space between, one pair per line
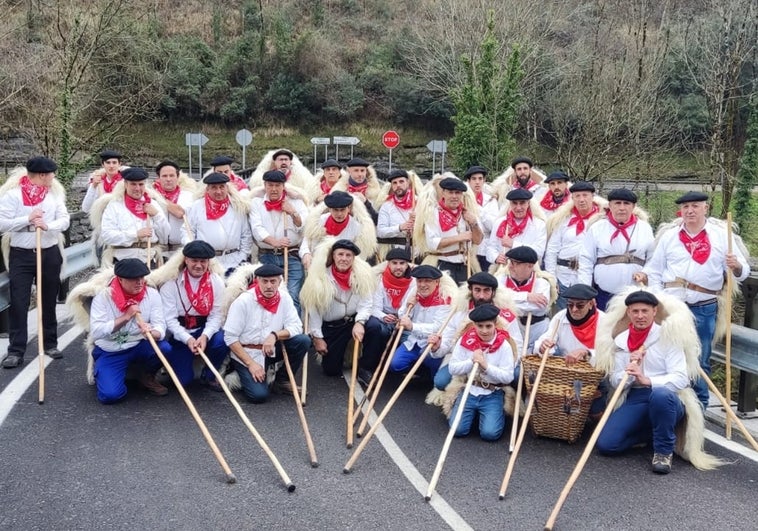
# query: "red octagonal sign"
391, 139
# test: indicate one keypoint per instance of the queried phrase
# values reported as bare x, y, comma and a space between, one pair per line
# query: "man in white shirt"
396, 215
521, 225
558, 193
104, 179
476, 177
174, 190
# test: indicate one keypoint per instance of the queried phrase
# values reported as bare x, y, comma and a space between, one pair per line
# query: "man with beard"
174, 188
615, 247
557, 194
476, 177
520, 226
394, 282
33, 199
277, 221
258, 323
223, 164
220, 219
192, 309
396, 215
104, 179
522, 177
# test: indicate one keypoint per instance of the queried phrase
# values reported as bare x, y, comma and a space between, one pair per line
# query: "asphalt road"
72, 463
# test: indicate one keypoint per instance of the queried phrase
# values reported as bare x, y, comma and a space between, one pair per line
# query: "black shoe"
12, 361
54, 353
662, 463
364, 376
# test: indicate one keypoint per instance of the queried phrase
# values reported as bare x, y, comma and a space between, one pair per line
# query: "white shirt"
390, 219
14, 219
382, 305
103, 314
230, 231
177, 228
488, 213
434, 234
264, 223
345, 303
427, 320
449, 334
176, 304
564, 243
350, 232
534, 236
565, 340
499, 366
523, 306
120, 226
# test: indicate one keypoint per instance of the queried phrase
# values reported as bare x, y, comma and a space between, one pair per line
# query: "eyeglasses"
577, 305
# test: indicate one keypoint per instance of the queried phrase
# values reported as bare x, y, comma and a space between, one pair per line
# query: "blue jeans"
111, 367
182, 359
705, 323
404, 359
561, 301
295, 275
602, 298
646, 412
442, 378
491, 415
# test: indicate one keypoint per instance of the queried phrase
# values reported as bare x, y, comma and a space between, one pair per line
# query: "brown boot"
284, 387
149, 382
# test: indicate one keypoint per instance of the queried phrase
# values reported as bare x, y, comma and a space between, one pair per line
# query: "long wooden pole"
451, 432
375, 376
299, 406
728, 338
351, 394
203, 429
729, 411
40, 335
287, 481
149, 243
304, 368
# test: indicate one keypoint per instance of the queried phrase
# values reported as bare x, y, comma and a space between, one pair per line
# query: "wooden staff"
286, 252
203, 429
149, 243
304, 369
728, 338
299, 406
393, 399
586, 454
728, 409
351, 394
287, 481
375, 376
385, 369
40, 335
187, 228
451, 432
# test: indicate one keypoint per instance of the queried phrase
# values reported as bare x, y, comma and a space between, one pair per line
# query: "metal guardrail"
744, 356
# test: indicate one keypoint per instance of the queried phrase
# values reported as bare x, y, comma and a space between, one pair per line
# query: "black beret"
622, 194
557, 176
453, 183
285, 152
691, 197
483, 279
357, 161
269, 270
485, 312
338, 199
519, 194
426, 271
396, 174
199, 249
346, 244
110, 154
642, 296
519, 160
134, 174
398, 253
165, 163
582, 292
216, 178
582, 186
523, 253
41, 165
274, 176
473, 170
221, 160
330, 163
131, 268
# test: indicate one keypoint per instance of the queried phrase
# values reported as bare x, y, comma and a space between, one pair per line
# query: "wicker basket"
557, 412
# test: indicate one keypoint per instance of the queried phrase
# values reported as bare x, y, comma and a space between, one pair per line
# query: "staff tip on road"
231, 478
290, 487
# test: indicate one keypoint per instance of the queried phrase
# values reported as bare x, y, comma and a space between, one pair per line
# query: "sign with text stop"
391, 139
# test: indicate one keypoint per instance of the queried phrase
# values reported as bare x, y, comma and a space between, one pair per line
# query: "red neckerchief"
470, 340
394, 287
121, 299
215, 209
528, 185
636, 337
172, 196
275, 205
342, 279
334, 227
354, 187
479, 198
548, 201
325, 186
448, 218
586, 331
32, 194
137, 206
237, 182
433, 299
202, 299
513, 226
621, 228
405, 202
269, 304
527, 286
699, 246
578, 220
108, 186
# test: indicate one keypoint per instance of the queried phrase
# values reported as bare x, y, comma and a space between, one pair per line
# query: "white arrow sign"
195, 139
437, 146
346, 141
320, 141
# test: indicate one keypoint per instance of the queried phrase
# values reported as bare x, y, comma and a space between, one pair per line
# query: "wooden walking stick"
393, 399
230, 478
375, 376
287, 481
40, 334
149, 243
728, 338
588, 449
451, 432
729, 411
299, 406
351, 394
286, 253
304, 368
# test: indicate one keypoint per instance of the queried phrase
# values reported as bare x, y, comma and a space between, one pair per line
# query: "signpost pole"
189, 147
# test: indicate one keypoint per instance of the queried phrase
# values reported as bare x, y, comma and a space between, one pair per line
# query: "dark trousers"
457, 271
375, 341
182, 358
602, 299
22, 272
337, 335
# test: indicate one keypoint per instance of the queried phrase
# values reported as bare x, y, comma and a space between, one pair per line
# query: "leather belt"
393, 241
681, 283
620, 259
174, 246
339, 322
706, 302
449, 253
571, 263
487, 385
253, 346
138, 245
535, 319
279, 251
226, 251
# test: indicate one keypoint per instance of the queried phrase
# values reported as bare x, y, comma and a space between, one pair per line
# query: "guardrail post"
748, 387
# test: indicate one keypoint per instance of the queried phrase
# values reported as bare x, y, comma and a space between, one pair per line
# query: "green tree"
746, 177
486, 106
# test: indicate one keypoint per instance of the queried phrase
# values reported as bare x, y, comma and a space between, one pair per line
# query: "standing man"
396, 216
174, 191
286, 162
33, 199
557, 194
331, 171
223, 164
104, 179
362, 184
521, 225
523, 178
690, 263
476, 177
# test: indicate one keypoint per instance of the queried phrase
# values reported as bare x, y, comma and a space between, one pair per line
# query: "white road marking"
732, 446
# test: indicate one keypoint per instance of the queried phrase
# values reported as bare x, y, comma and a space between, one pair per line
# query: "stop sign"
391, 139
